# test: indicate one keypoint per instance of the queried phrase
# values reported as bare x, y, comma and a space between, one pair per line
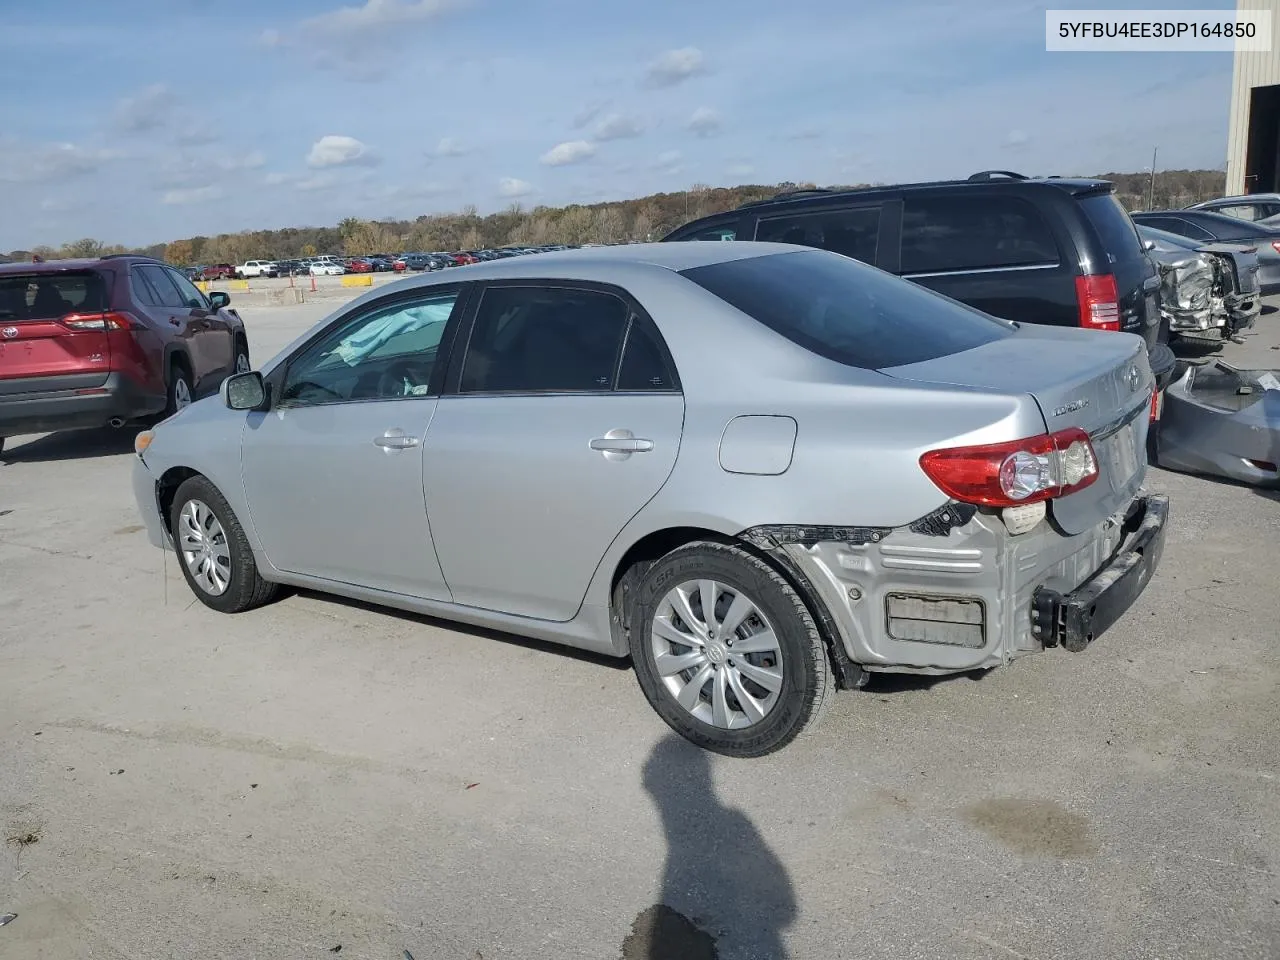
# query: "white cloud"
449, 147
571, 151
192, 195
705, 122
149, 109
511, 187
588, 113
378, 16
357, 39
618, 126
1017, 138
740, 170
675, 66
22, 162
276, 179
339, 151
319, 181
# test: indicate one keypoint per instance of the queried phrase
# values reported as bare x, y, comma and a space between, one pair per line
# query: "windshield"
847, 311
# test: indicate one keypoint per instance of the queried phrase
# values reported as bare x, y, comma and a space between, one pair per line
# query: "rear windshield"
1115, 229
846, 311
1233, 228
41, 296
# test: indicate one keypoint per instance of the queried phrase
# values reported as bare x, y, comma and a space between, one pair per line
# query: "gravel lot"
179, 784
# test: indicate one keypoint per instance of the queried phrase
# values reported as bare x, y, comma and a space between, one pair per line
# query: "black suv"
1052, 250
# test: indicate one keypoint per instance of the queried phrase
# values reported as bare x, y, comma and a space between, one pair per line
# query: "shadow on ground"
71, 445
722, 887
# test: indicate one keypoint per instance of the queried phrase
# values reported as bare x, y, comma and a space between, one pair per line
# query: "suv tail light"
1098, 302
1017, 472
1275, 245
98, 321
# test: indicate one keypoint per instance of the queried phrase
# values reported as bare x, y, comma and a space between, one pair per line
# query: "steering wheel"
302, 385
398, 379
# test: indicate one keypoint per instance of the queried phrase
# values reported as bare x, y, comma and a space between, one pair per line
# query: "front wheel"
726, 651
213, 551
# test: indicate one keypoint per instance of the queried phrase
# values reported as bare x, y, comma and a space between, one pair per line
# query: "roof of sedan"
671, 256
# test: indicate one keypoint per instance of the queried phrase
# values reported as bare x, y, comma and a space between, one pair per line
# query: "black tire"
245, 587
242, 350
178, 373
806, 673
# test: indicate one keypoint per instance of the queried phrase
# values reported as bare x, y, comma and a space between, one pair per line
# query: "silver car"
760, 471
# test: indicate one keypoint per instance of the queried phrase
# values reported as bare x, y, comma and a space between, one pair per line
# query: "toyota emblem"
1132, 377
9, 332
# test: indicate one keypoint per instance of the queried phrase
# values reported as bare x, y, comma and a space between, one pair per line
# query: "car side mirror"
218, 299
244, 391
1148, 245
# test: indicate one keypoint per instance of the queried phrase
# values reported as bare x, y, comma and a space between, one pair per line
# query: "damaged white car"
1209, 292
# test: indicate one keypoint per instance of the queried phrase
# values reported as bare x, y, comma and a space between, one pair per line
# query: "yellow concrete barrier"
239, 284
202, 286
357, 279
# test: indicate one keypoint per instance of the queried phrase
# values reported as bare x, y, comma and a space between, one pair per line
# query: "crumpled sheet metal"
1209, 426
1186, 293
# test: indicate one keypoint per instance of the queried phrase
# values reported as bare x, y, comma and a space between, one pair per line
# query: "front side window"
166, 293
852, 233
544, 339
387, 352
846, 311
187, 290
951, 233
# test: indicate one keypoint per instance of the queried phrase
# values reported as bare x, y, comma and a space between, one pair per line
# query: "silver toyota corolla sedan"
760, 471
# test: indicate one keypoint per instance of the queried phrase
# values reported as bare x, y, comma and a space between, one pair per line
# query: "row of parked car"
333, 265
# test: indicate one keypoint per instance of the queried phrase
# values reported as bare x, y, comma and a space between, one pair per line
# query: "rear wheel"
179, 391
213, 551
726, 651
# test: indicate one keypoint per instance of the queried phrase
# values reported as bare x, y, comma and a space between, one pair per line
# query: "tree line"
638, 220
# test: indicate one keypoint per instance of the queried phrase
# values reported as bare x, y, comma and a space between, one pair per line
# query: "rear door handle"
620, 444
395, 439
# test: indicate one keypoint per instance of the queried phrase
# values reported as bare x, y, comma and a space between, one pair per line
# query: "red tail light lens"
1275, 245
1020, 471
1098, 302
98, 321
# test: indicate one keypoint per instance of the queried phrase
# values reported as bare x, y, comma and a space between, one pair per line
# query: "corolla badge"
1071, 407
1132, 377
9, 332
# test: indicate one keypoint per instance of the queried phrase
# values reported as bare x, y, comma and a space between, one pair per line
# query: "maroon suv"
86, 343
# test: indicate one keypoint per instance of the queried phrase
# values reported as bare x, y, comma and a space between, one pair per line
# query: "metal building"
1253, 134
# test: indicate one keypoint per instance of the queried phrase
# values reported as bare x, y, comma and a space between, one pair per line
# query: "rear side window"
536, 339
721, 231
42, 296
846, 311
1114, 228
644, 364
853, 233
1231, 228
943, 233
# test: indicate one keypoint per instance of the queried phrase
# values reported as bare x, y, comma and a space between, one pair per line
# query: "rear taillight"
98, 321
1275, 245
1098, 302
1020, 471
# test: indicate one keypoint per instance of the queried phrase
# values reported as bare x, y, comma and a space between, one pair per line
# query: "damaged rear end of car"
1208, 292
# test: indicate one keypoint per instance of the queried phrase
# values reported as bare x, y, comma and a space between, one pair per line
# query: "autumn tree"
180, 253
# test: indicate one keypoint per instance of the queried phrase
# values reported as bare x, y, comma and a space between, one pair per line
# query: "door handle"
395, 440
621, 445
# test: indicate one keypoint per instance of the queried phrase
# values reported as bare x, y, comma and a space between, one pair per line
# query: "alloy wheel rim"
204, 548
717, 654
181, 394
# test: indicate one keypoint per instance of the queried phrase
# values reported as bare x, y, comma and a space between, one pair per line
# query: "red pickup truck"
216, 271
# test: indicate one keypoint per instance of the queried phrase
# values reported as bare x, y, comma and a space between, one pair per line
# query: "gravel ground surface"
317, 774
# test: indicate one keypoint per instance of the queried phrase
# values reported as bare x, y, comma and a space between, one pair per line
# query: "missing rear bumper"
1076, 619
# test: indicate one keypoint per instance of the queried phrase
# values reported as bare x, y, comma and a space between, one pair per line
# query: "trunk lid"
1098, 381
34, 342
